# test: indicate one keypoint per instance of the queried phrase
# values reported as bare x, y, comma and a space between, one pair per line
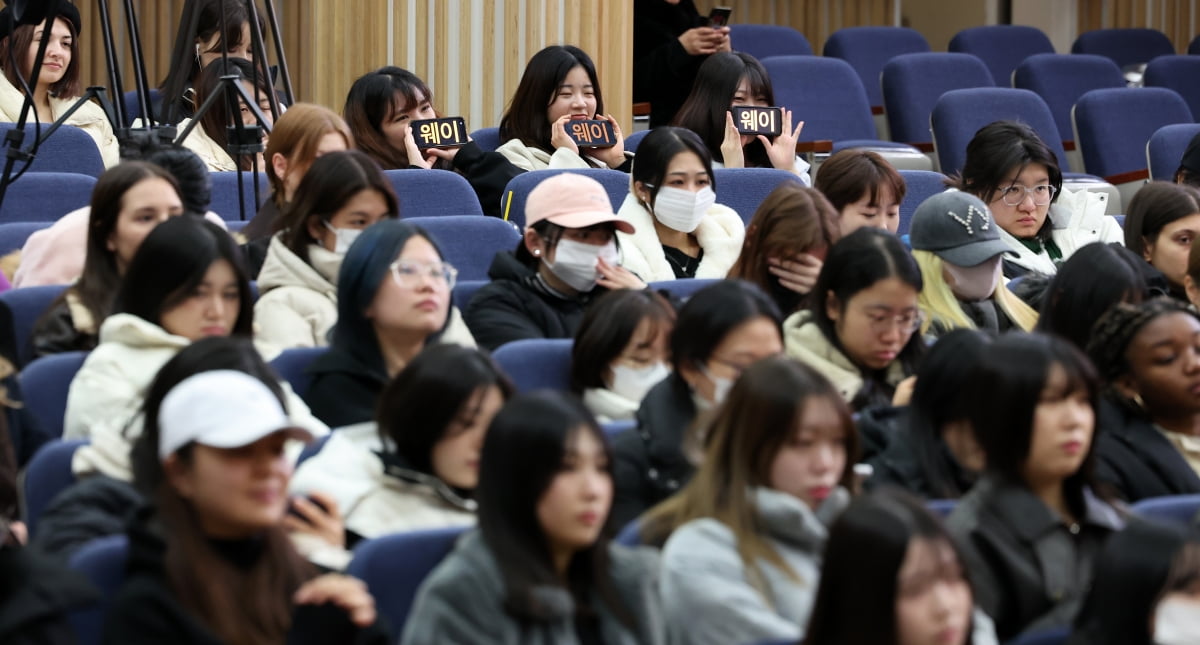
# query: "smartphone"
293, 512
758, 120
719, 17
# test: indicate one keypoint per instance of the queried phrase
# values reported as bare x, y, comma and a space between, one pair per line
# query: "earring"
198, 53
1137, 399
537, 252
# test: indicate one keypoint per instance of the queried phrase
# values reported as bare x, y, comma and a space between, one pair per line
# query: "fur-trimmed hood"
720, 235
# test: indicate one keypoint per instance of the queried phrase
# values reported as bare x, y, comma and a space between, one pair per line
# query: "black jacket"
1136, 459
145, 609
649, 462
518, 305
488, 173
899, 465
1030, 570
35, 596
344, 390
663, 71
55, 333
93, 507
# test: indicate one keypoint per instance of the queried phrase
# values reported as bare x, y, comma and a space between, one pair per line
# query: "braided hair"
1113, 332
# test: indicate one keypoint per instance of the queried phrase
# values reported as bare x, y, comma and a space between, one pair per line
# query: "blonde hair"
939, 304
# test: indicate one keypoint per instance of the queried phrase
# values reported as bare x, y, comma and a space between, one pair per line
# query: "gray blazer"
462, 602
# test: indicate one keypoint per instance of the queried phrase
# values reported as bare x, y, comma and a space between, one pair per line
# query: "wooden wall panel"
1178, 19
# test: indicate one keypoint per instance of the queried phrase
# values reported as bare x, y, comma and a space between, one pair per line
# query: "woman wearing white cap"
957, 245
210, 560
568, 256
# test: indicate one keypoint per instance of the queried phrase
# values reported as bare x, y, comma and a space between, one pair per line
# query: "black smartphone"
719, 17
293, 512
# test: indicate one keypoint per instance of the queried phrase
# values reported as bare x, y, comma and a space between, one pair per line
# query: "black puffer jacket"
35, 596
1135, 459
93, 507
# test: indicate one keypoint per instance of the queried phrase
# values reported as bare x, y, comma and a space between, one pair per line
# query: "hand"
700, 41
904, 391
726, 42
782, 152
348, 593
325, 524
447, 154
798, 275
558, 135
731, 146
415, 157
614, 156
617, 277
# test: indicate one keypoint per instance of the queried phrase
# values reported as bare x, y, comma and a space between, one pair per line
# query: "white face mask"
633, 383
344, 237
721, 387
680, 209
1177, 622
575, 262
977, 282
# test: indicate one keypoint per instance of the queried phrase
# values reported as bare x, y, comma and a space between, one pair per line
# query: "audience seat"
1179, 73
614, 428
1163, 151
1001, 47
912, 84
615, 182
469, 242
45, 383
464, 290
13, 235
46, 475
1049, 637
103, 561
537, 363
632, 140
1126, 47
941, 507
744, 189
394, 566
764, 41
684, 288
132, 109
1113, 126
46, 196
868, 49
1060, 79
292, 365
488, 139
630, 534
225, 194
920, 185
27, 306
1174, 509
428, 193
312, 449
959, 114
69, 149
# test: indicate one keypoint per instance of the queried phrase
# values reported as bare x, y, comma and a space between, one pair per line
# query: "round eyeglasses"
1015, 194
411, 275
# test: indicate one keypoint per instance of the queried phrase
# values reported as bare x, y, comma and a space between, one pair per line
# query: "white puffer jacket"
720, 234
298, 302
1078, 218
105, 398
527, 158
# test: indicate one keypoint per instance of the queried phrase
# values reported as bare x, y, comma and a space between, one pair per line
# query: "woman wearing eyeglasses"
393, 299
1017, 175
343, 194
861, 330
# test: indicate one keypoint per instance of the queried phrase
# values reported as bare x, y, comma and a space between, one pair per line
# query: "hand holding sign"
782, 151
450, 132
559, 137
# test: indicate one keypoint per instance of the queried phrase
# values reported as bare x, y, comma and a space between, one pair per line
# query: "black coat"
1030, 571
91, 508
55, 333
35, 596
344, 390
488, 173
517, 305
649, 462
899, 465
663, 71
1136, 459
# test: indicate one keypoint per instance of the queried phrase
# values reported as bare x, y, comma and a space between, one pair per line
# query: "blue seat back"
1060, 79
1115, 125
1002, 47
913, 83
464, 290
394, 566
744, 189
825, 93
46, 196
1174, 509
27, 305
469, 242
1050, 637
684, 288
630, 534
941, 507
919, 186
632, 141
868, 49
615, 182
1124, 46
1179, 73
47, 474
763, 41
959, 114
430, 193
103, 561
225, 194
132, 109
69, 149
45, 383
614, 428
488, 139
13, 235
537, 363
312, 449
292, 366
1165, 149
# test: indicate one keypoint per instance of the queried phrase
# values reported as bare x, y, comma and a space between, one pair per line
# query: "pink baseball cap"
572, 200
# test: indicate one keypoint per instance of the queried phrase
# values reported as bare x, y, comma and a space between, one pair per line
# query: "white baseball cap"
221, 409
